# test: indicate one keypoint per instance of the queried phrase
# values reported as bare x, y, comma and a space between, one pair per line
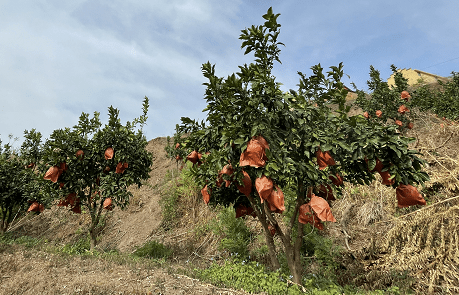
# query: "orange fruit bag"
109, 153
264, 187
385, 176
246, 188
405, 95
338, 180
194, 157
108, 204
408, 195
326, 192
36, 207
255, 154
206, 194
321, 208
306, 215
121, 167
52, 174
324, 159
242, 210
276, 200
228, 170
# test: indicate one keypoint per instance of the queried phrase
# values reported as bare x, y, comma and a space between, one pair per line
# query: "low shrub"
81, 246
179, 194
236, 236
254, 278
153, 249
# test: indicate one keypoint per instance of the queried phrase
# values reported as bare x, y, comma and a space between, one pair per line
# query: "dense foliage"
444, 103
299, 145
21, 186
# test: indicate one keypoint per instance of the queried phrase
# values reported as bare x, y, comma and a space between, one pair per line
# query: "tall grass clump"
236, 236
179, 196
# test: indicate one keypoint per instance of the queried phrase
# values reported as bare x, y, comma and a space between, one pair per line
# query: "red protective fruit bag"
72, 199
76, 209
408, 195
242, 210
194, 157
264, 187
338, 180
121, 167
106, 170
399, 123
255, 154
410, 125
177, 145
306, 215
63, 167
36, 207
272, 229
108, 204
31, 165
276, 200
378, 113
80, 154
246, 188
52, 174
324, 159
326, 192
321, 208
109, 153
366, 115
178, 157
206, 194
228, 170
403, 109
385, 176
405, 95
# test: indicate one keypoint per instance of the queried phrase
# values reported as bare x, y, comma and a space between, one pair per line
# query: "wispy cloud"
60, 58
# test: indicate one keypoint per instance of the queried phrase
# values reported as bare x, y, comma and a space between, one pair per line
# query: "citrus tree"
444, 103
20, 185
387, 104
257, 140
91, 166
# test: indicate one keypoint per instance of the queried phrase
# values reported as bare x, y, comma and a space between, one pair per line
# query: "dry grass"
416, 246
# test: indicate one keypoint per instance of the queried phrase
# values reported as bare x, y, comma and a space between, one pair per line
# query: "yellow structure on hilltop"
416, 77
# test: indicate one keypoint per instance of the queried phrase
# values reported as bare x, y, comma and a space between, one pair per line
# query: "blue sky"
61, 58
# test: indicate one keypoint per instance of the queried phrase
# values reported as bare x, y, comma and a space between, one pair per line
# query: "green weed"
153, 249
236, 235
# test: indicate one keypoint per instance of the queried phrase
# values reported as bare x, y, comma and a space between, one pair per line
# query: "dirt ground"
25, 271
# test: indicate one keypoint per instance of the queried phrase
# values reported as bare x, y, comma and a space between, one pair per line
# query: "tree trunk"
272, 250
95, 217
269, 238
292, 248
93, 236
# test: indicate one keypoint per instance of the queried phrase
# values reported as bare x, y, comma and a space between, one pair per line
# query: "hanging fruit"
405, 95
255, 154
206, 194
324, 159
246, 188
109, 153
264, 187
408, 195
